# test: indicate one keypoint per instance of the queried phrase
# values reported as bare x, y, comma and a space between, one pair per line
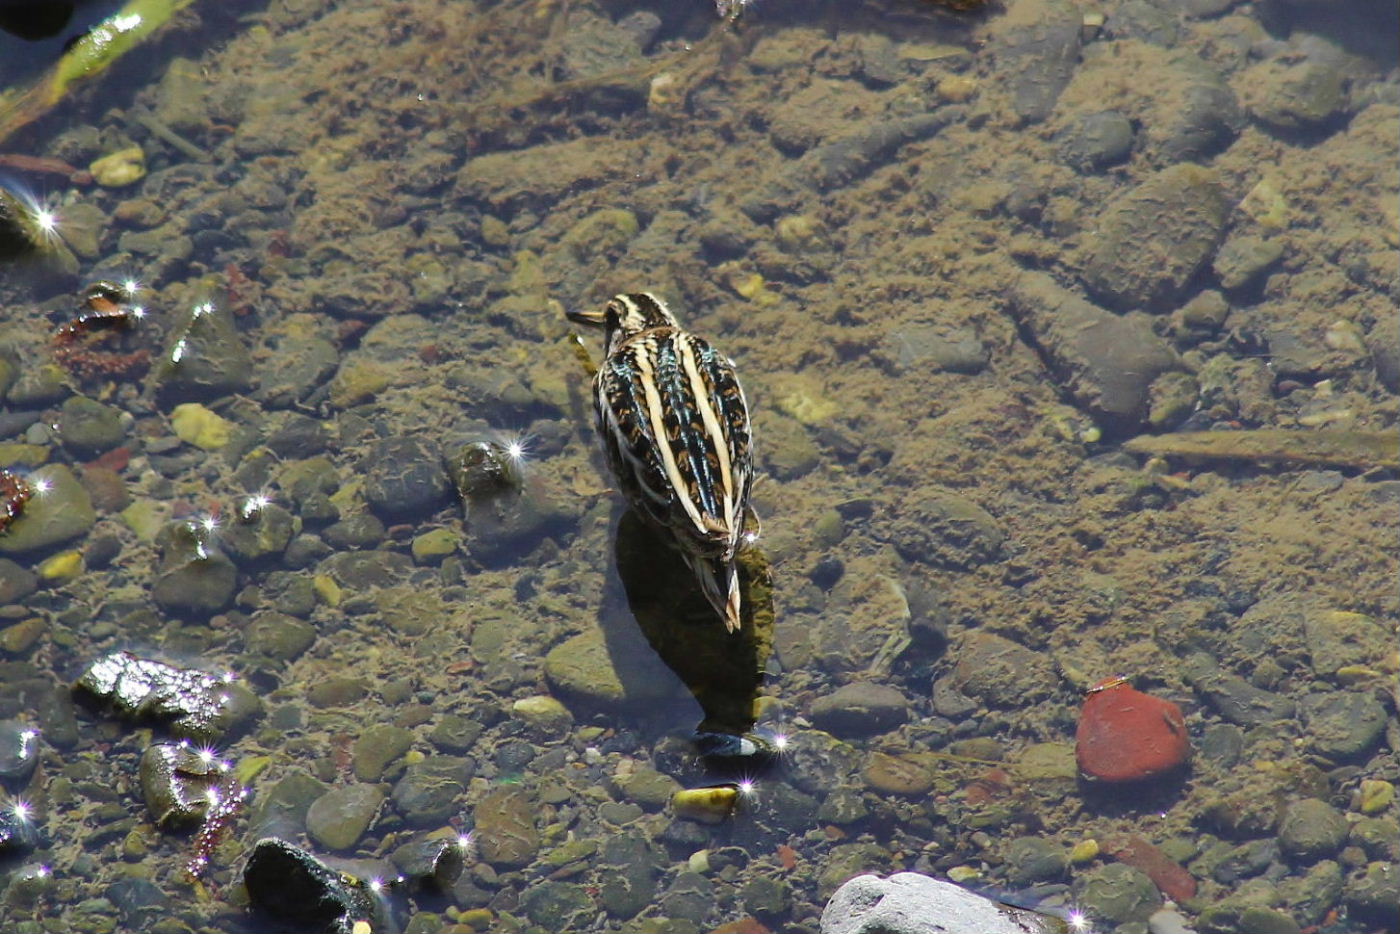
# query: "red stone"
1127, 736
1166, 873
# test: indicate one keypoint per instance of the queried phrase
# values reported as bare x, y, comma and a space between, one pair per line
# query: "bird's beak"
591, 318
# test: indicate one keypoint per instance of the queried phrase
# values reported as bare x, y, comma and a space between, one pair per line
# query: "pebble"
1337, 638
1374, 796
1296, 97
176, 782
939, 527
506, 834
544, 713
278, 636
1106, 362
205, 357
1150, 241
1000, 672
1125, 735
586, 669
1373, 895
338, 819
1096, 141
194, 577
88, 427
404, 477
61, 513
432, 862
1311, 830
1036, 59
18, 832
16, 583
1234, 698
378, 746
427, 793
909, 774
1244, 258
299, 890
1342, 724
910, 903
860, 709
19, 753
1035, 859
1117, 894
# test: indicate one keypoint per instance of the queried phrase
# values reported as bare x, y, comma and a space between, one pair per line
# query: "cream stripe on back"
658, 427
712, 429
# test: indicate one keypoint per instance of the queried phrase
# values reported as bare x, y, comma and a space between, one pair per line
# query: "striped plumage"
675, 428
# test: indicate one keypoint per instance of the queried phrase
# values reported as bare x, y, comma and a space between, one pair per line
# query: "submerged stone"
1125, 735
62, 511
432, 862
19, 752
197, 705
194, 577
868, 904
298, 889
180, 783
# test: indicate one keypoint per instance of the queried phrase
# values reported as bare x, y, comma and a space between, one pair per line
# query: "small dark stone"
19, 752
16, 582
357, 531
1311, 830
427, 793
88, 427
432, 863
455, 733
18, 833
194, 576
1097, 141
1036, 859
295, 887
299, 436
1343, 724
404, 477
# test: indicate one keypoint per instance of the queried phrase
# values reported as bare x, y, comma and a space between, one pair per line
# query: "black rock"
297, 888
19, 752
1097, 141
18, 833
432, 863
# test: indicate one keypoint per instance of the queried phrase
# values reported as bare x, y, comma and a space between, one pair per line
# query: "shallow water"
957, 257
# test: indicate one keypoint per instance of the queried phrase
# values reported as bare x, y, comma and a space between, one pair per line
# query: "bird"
674, 424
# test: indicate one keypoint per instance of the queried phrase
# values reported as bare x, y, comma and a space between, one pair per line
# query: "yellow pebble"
327, 589
957, 88
964, 873
706, 805
1376, 795
63, 566
123, 167
1084, 851
200, 426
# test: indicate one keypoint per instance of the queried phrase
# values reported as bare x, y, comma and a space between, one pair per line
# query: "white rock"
908, 903
1167, 921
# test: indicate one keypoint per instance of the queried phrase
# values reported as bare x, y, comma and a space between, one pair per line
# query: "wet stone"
434, 863
629, 883
337, 819
278, 636
427, 793
205, 356
860, 709
907, 774
282, 809
196, 704
1035, 859
1097, 141
1243, 259
561, 905
357, 531
16, 583
455, 733
1295, 97
88, 427
18, 833
1117, 893
900, 904
194, 577
404, 477
177, 780
1151, 240
1233, 697
337, 692
939, 527
267, 534
1001, 672
63, 513
378, 746
1342, 724
1311, 830
506, 834
1374, 894
296, 888
19, 753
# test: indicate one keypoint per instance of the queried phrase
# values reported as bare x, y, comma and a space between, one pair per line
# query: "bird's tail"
719, 579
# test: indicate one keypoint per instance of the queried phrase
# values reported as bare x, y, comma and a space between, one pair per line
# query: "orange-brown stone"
1127, 736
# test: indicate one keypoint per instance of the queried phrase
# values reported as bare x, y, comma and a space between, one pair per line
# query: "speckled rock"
62, 513
194, 704
910, 903
337, 819
1151, 240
